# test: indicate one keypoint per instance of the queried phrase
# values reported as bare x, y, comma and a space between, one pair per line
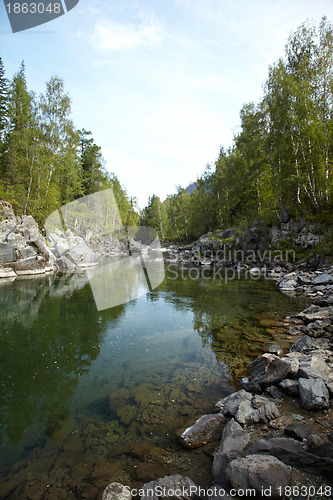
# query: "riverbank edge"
257, 409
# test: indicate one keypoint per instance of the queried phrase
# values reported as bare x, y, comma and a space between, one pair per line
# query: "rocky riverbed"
274, 437
274, 433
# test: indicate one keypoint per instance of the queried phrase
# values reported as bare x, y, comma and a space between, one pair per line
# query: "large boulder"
290, 386
7, 254
313, 366
68, 248
314, 313
269, 369
285, 449
22, 246
206, 429
265, 474
313, 393
293, 453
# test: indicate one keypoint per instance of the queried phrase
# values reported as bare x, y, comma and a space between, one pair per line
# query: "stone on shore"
259, 472
232, 444
269, 369
229, 405
313, 393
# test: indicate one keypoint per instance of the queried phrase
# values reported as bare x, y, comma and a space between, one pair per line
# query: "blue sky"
160, 83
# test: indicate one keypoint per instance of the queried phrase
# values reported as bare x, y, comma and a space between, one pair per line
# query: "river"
88, 397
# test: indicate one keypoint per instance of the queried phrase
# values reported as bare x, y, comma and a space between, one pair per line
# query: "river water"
88, 397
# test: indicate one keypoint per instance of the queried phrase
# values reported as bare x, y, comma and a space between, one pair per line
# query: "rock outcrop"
23, 250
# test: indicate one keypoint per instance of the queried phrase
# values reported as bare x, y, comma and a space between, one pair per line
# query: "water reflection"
132, 373
51, 332
232, 317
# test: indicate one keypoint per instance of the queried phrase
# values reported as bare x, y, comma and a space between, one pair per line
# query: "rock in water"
206, 429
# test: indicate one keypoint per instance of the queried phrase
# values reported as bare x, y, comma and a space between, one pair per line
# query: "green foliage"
44, 161
282, 157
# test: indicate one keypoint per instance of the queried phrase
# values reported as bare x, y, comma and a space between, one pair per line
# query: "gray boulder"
259, 473
300, 431
7, 254
269, 369
313, 366
246, 414
286, 449
290, 284
232, 444
308, 344
206, 429
314, 313
229, 405
290, 386
80, 254
294, 453
313, 393
22, 246
322, 279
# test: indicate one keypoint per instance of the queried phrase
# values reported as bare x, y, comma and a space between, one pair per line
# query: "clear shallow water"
80, 389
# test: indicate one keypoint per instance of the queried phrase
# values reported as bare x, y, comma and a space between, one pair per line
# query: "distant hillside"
191, 187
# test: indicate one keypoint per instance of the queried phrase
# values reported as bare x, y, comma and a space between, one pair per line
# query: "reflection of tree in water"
42, 355
224, 313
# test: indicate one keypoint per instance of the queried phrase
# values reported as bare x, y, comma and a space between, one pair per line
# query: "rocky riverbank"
261, 245
25, 251
274, 437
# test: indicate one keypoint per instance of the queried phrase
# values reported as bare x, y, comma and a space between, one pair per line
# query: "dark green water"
80, 388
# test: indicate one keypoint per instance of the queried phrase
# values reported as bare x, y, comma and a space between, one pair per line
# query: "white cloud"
111, 35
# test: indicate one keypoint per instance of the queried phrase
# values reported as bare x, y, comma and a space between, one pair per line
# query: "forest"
44, 161
281, 158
